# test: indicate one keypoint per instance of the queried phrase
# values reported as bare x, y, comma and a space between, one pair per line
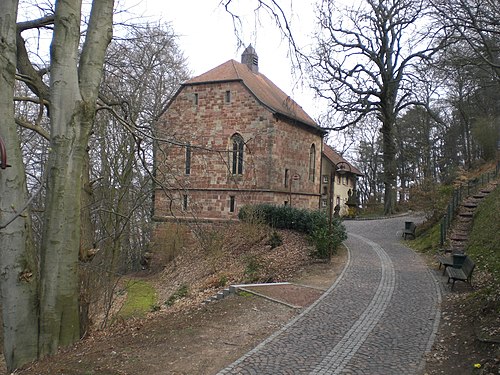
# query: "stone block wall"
206, 116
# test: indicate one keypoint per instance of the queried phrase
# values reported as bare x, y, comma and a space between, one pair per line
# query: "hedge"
315, 224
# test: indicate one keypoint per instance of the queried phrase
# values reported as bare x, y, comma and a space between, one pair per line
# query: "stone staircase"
462, 225
235, 288
220, 295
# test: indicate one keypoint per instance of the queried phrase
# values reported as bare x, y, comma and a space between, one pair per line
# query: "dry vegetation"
229, 254
186, 337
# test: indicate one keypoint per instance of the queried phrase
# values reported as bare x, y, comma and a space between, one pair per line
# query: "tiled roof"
262, 88
335, 158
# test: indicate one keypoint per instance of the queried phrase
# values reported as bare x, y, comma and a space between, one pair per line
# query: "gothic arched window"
312, 162
237, 145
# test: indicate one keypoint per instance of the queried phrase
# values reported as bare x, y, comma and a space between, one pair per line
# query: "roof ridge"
329, 149
261, 87
233, 61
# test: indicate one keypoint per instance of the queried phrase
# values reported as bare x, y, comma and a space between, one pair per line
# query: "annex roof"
261, 87
335, 158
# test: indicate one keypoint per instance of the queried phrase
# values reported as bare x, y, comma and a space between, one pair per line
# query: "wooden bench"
463, 273
454, 260
410, 229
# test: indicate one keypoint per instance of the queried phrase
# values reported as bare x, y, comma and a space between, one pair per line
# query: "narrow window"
312, 162
285, 203
195, 98
228, 96
325, 190
188, 159
184, 202
232, 203
325, 179
339, 179
287, 177
237, 154
338, 200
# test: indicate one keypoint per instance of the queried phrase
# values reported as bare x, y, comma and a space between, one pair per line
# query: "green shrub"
275, 240
182, 292
327, 239
252, 268
325, 236
223, 279
432, 199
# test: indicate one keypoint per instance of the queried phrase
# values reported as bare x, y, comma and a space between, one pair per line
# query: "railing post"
455, 198
459, 194
443, 230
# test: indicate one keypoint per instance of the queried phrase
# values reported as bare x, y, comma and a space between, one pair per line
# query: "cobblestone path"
379, 317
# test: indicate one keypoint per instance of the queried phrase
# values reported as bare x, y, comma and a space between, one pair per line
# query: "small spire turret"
249, 58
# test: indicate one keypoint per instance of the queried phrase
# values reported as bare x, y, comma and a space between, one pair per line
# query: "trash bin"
408, 225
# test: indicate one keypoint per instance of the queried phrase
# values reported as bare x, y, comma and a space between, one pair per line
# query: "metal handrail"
459, 194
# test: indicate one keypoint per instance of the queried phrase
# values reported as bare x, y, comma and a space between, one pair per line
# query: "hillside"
179, 334
471, 318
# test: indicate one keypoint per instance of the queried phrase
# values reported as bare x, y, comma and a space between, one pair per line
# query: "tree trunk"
18, 268
427, 147
87, 242
390, 165
87, 239
74, 86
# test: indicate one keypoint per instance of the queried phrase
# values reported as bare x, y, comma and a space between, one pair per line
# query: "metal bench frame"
455, 260
410, 228
461, 274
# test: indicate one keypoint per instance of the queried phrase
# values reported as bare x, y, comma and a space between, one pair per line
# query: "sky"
206, 35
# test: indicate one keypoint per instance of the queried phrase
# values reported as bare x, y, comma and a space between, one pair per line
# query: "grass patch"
245, 294
428, 241
484, 246
141, 298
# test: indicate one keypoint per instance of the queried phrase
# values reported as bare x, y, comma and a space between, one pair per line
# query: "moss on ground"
427, 241
141, 298
484, 239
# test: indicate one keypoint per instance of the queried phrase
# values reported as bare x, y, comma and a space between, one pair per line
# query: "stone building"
231, 137
338, 182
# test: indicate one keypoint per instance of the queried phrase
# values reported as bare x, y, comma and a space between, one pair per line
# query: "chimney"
249, 58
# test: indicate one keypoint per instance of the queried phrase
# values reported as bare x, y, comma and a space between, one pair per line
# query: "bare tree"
363, 64
369, 160
74, 84
70, 96
143, 70
19, 281
474, 22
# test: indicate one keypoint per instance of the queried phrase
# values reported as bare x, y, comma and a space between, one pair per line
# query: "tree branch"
36, 128
36, 24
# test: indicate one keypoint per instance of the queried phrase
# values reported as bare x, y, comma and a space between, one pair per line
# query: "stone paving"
379, 317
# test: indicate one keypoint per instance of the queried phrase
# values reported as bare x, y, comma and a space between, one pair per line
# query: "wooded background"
412, 87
